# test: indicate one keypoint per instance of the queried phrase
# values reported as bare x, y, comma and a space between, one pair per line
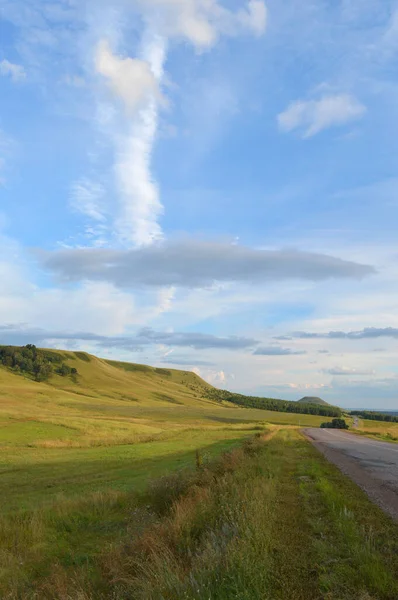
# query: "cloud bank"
20, 335
196, 264
366, 333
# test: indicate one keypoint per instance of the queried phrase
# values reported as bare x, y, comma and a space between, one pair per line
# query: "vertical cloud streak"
141, 206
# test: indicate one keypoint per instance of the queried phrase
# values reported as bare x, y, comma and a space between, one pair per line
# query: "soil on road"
371, 464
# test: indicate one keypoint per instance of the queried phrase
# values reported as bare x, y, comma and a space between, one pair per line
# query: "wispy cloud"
87, 198
367, 333
201, 22
137, 83
7, 148
141, 205
346, 371
314, 116
9, 69
196, 264
20, 334
277, 351
186, 362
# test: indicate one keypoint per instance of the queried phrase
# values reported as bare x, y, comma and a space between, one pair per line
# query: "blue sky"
207, 185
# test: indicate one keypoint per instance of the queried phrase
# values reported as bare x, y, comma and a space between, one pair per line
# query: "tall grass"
269, 520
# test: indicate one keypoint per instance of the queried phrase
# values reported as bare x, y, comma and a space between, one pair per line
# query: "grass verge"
269, 520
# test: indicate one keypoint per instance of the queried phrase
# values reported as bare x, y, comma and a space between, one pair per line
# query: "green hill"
313, 400
54, 398
96, 424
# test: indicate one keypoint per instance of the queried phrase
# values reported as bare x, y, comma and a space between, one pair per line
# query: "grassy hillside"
111, 426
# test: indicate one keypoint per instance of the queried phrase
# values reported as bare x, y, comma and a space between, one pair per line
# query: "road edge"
378, 493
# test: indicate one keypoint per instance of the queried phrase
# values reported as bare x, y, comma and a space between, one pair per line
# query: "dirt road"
371, 464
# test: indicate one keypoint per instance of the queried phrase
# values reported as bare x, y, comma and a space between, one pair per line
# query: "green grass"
32, 479
270, 520
29, 433
284, 525
75, 454
117, 425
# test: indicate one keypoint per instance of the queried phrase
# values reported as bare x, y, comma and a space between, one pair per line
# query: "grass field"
114, 427
381, 430
76, 455
270, 520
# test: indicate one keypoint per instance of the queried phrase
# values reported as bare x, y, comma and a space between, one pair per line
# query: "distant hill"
313, 400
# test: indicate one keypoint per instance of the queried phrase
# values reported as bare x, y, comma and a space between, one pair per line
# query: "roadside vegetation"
335, 424
129, 482
269, 519
380, 430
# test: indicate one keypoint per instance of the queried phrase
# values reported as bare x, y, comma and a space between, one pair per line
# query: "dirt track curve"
371, 464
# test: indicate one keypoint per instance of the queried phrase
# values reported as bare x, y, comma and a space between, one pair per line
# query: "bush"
335, 424
163, 492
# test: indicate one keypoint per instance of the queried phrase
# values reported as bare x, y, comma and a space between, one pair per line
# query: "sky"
207, 185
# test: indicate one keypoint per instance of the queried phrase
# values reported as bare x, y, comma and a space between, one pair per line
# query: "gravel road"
371, 464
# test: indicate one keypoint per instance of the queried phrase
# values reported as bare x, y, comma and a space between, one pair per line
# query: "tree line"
375, 416
36, 363
273, 404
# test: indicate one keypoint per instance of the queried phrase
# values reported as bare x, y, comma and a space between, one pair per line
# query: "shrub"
164, 491
335, 424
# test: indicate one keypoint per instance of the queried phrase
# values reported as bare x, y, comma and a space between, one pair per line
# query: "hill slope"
111, 380
89, 401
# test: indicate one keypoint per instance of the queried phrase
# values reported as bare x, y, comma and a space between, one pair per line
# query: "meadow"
269, 519
113, 428
90, 465
381, 430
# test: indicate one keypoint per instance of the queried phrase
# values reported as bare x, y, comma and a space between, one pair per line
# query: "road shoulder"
381, 495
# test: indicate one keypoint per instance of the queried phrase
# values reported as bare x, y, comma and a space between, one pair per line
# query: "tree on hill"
32, 361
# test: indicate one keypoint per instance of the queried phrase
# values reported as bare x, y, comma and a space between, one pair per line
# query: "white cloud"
216, 378
130, 79
86, 197
16, 72
201, 22
314, 116
141, 206
136, 82
255, 18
